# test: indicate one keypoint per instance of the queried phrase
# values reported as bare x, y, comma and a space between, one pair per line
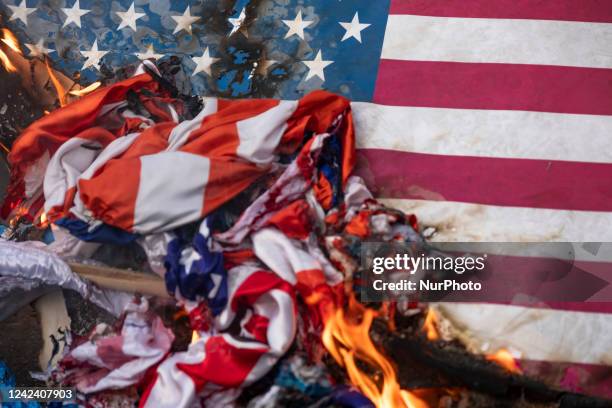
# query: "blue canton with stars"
258, 48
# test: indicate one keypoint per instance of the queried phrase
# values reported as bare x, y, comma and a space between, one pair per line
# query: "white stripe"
115, 148
34, 176
481, 223
183, 196
66, 166
180, 133
468, 132
536, 334
598, 252
281, 255
259, 135
236, 276
173, 388
277, 306
423, 38
111, 106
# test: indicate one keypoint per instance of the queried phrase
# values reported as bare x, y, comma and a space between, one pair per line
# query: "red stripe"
257, 326
570, 10
585, 307
257, 284
541, 88
486, 180
549, 281
590, 379
224, 364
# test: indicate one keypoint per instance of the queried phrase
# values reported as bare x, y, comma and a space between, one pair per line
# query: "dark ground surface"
20, 335
20, 342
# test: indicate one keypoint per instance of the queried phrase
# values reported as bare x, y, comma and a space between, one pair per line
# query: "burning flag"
429, 140
251, 273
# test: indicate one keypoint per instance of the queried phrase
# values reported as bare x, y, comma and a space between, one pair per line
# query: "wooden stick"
121, 279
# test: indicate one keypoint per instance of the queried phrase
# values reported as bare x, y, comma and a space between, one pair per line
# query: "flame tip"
195, 336
505, 359
430, 325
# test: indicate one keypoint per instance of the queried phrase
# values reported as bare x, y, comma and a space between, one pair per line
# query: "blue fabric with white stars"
352, 72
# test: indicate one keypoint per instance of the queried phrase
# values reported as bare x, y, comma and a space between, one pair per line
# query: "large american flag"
491, 120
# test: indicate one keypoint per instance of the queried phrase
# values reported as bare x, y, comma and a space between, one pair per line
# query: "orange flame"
17, 214
59, 88
346, 337
506, 360
62, 92
195, 336
6, 62
10, 40
430, 326
86, 90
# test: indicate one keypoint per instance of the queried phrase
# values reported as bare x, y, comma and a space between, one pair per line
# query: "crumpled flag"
102, 114
112, 172
195, 269
277, 259
117, 360
257, 324
278, 238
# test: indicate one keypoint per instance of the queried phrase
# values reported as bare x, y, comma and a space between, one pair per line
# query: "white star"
353, 29
204, 62
297, 26
73, 15
21, 12
93, 56
38, 49
237, 24
316, 67
188, 257
129, 17
149, 53
185, 21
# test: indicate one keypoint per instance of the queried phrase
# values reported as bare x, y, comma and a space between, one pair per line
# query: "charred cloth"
184, 251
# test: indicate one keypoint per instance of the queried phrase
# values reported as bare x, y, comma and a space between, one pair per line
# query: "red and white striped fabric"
118, 360
259, 322
105, 164
492, 121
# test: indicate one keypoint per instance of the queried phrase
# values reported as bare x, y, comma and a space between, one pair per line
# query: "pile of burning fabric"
251, 214
248, 210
